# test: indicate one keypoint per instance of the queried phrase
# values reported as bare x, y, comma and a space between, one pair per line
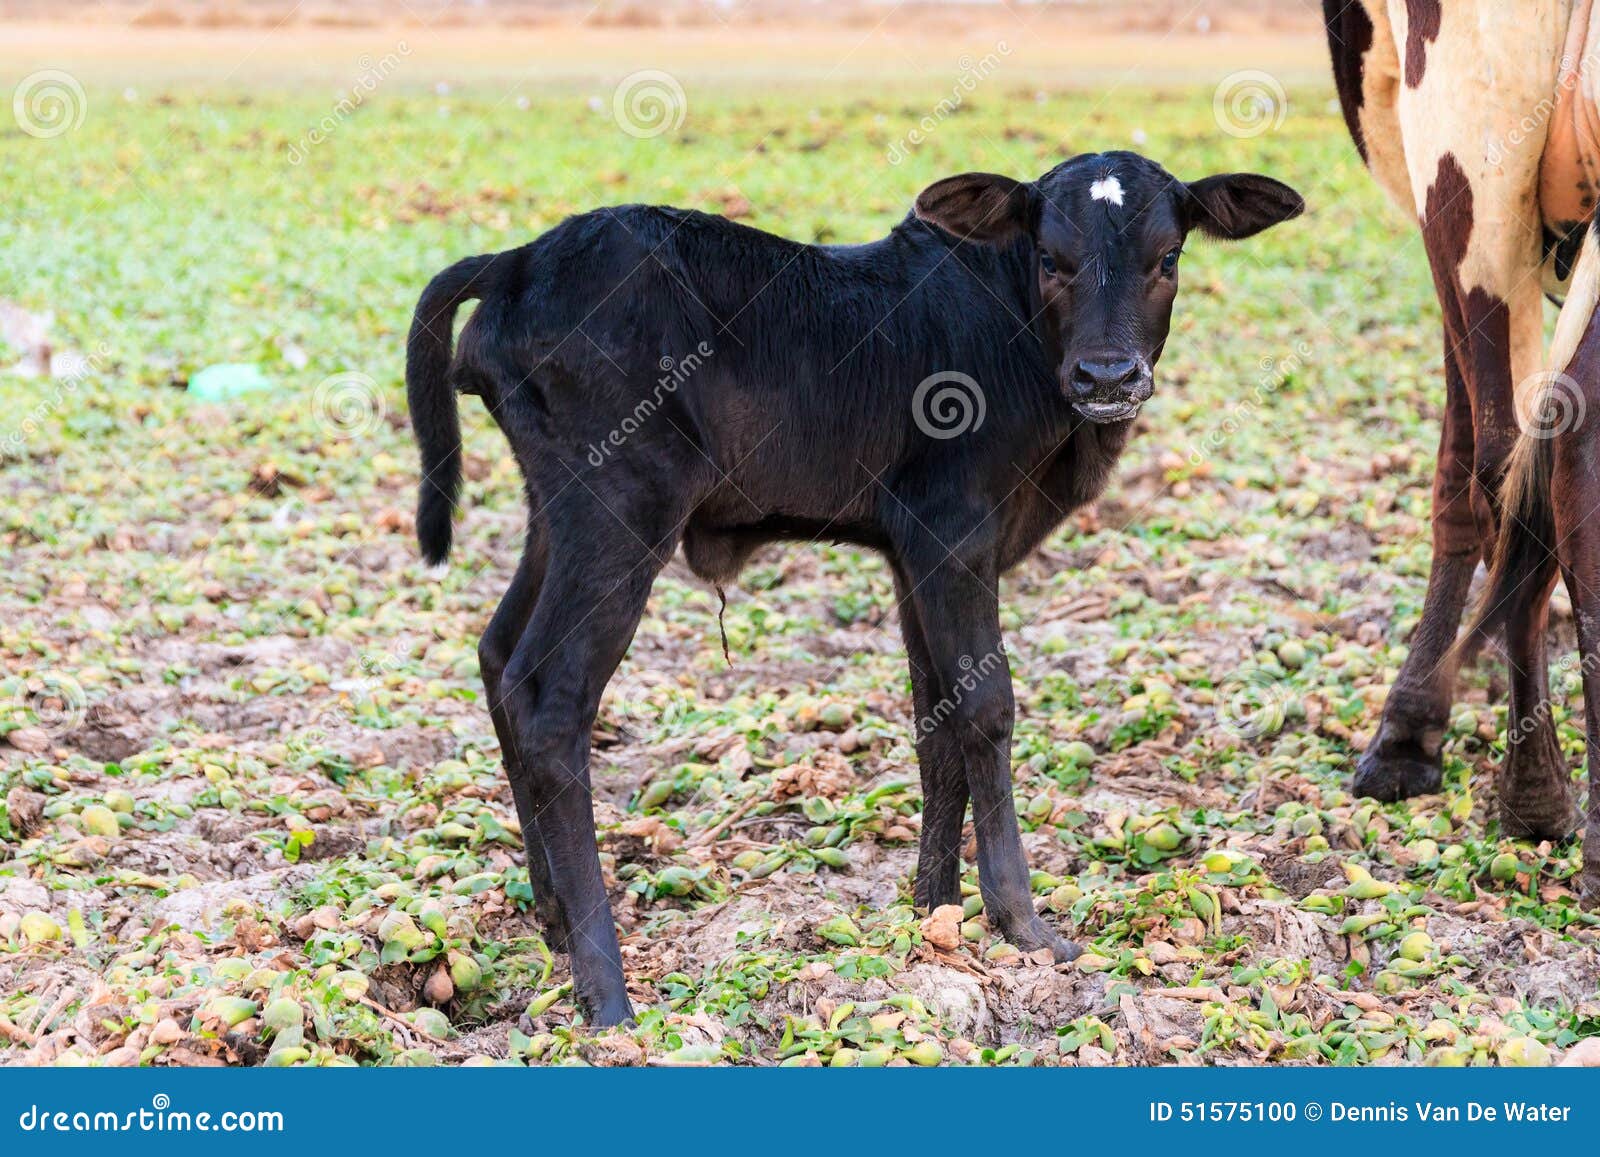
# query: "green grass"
224, 603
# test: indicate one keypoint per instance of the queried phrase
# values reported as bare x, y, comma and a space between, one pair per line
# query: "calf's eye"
1047, 263
1169, 263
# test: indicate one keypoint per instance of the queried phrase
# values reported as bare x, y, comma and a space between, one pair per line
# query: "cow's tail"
434, 421
1524, 562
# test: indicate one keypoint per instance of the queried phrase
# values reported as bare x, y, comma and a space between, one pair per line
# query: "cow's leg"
1577, 493
944, 781
1476, 199
499, 640
1405, 758
1574, 489
1534, 787
957, 603
1551, 501
603, 556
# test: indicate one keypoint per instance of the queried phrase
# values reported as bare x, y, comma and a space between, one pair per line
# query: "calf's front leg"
944, 777
961, 616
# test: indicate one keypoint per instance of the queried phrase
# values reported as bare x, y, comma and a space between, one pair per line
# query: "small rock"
166, 1031
1161, 952
439, 988
942, 928
32, 740
1583, 1055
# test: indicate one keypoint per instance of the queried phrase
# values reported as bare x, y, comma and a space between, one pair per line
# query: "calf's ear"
1237, 205
978, 206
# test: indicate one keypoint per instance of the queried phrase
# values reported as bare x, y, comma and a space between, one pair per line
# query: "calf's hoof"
1036, 934
1589, 881
552, 922
608, 1013
1397, 773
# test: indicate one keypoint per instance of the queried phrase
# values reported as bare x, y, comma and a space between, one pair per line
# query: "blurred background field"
253, 810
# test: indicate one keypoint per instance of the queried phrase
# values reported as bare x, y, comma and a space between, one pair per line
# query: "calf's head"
1106, 232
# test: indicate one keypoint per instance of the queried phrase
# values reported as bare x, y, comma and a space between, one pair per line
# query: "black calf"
946, 395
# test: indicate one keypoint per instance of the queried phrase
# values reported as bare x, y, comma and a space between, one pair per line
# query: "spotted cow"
1481, 120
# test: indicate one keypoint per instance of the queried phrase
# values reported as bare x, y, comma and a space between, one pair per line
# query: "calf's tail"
435, 423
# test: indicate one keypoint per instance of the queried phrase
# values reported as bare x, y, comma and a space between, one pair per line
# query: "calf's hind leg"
595, 586
499, 639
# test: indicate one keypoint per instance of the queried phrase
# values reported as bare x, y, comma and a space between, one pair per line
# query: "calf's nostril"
1089, 377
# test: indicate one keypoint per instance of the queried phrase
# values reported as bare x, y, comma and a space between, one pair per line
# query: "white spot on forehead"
1107, 188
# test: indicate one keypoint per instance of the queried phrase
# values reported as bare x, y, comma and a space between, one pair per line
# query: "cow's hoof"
1397, 774
1536, 800
1547, 816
